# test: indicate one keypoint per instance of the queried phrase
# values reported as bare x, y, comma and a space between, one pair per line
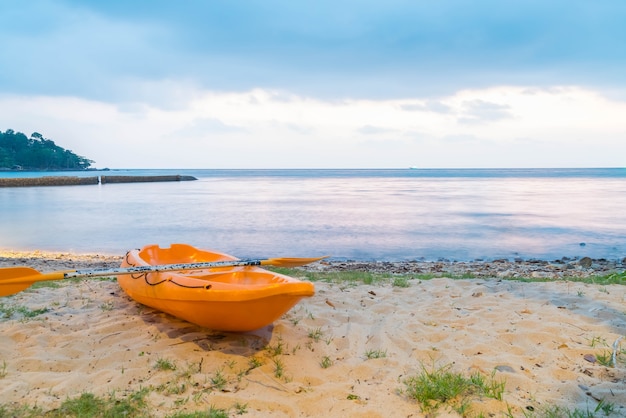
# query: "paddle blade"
290, 261
15, 273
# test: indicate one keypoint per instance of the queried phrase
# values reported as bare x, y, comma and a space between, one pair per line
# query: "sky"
319, 84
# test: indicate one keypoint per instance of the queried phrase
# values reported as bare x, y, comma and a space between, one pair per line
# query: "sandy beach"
346, 352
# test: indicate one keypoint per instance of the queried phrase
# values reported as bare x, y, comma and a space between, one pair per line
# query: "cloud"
428, 106
270, 83
480, 111
460, 138
206, 126
521, 127
62, 50
380, 50
374, 130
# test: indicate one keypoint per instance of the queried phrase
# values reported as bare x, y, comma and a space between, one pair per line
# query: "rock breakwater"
75, 181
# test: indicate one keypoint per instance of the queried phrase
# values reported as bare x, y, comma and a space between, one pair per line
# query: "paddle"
16, 279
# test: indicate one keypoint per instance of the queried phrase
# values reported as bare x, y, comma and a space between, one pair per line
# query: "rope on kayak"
140, 275
145, 277
201, 286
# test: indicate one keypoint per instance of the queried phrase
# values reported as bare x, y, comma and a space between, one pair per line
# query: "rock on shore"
502, 268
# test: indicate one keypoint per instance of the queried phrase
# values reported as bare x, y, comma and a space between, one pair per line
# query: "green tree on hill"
37, 153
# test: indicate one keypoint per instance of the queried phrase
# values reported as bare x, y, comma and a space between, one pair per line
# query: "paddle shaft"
77, 274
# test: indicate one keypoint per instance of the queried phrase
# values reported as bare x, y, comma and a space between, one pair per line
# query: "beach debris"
329, 303
505, 369
590, 358
616, 349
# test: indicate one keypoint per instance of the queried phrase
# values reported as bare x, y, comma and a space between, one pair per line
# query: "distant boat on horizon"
413, 167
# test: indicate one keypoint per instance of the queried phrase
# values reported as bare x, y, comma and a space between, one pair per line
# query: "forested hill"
17, 151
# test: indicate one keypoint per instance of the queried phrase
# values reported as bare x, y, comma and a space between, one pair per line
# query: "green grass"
212, 412
277, 349
316, 334
439, 386
400, 282
603, 409
7, 311
347, 277
372, 354
49, 284
164, 364
254, 362
218, 380
20, 411
55, 284
279, 367
87, 405
326, 362
605, 357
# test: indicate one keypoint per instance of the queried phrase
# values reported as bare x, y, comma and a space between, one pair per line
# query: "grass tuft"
218, 380
212, 412
316, 334
8, 312
603, 409
326, 362
435, 387
164, 364
372, 354
89, 405
400, 282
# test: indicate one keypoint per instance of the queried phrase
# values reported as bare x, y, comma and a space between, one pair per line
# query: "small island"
20, 153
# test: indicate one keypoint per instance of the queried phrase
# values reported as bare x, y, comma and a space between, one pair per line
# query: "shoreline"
499, 268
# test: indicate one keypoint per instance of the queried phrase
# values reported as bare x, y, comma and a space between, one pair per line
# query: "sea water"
394, 215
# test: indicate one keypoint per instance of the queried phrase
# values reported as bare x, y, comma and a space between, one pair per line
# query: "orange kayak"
235, 298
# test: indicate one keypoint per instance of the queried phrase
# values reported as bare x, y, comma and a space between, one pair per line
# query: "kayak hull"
225, 298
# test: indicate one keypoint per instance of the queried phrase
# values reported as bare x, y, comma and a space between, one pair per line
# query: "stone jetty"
75, 181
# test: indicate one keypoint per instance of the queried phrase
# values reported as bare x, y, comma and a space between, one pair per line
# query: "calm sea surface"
350, 214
